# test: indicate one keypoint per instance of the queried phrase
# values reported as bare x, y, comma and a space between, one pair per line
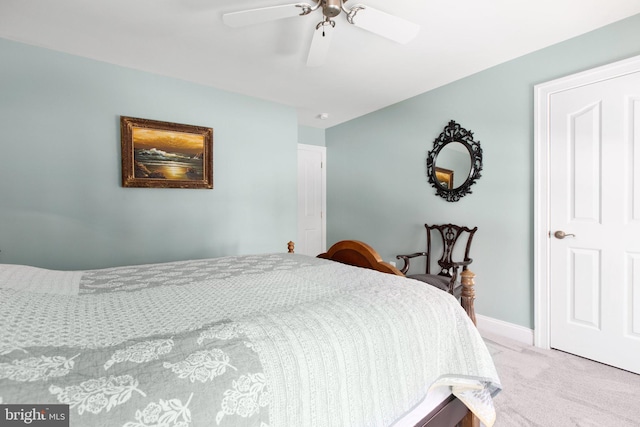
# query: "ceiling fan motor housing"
331, 8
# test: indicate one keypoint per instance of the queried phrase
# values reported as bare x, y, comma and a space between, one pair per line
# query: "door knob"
561, 234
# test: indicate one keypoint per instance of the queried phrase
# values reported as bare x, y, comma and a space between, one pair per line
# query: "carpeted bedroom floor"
549, 388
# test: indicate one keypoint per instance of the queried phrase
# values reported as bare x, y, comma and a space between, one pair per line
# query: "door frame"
541, 229
323, 183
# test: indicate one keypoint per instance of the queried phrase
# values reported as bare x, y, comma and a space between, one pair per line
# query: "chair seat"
440, 282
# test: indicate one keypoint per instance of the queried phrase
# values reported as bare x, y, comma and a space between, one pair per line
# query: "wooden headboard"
356, 253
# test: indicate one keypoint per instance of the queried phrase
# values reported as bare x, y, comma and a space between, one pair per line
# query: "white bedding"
39, 280
269, 340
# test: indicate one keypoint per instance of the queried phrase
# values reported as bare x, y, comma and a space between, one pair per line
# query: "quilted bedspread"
266, 340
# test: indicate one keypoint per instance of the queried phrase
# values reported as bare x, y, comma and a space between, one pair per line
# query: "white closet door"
594, 197
311, 200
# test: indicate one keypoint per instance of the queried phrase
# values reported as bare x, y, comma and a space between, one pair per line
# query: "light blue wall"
311, 136
376, 171
61, 201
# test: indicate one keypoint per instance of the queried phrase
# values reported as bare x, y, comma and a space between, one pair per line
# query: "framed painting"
445, 178
165, 155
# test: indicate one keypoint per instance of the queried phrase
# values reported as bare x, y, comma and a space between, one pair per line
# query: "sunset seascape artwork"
157, 154
168, 155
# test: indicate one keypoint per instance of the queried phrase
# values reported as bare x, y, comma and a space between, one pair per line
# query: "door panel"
633, 288
634, 158
585, 287
585, 148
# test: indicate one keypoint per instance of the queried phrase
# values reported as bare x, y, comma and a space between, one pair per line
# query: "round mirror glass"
453, 165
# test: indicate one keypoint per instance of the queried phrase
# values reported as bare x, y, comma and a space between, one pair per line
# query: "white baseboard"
505, 329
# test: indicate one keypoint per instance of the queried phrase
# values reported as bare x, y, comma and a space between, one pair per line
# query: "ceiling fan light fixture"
326, 22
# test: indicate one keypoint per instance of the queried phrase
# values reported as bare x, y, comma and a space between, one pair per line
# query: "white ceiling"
186, 39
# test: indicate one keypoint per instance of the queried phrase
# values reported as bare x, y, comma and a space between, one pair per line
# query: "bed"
264, 340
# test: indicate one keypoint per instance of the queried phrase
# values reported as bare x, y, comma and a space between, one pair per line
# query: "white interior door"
312, 238
594, 197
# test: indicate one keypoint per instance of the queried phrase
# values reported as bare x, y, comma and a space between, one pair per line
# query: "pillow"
39, 280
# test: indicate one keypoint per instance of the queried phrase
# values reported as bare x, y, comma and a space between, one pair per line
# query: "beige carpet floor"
549, 388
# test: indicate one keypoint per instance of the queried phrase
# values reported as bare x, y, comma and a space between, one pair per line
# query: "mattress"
265, 340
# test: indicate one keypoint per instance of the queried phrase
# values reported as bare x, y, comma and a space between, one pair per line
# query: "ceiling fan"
389, 26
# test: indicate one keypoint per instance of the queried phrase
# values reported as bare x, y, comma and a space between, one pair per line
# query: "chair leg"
468, 295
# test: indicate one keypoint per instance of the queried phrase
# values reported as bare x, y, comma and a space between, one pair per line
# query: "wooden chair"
447, 278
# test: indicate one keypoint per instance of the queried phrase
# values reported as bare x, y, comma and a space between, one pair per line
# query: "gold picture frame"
158, 154
445, 177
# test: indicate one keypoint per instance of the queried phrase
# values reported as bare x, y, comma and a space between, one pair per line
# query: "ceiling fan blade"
264, 14
389, 26
320, 46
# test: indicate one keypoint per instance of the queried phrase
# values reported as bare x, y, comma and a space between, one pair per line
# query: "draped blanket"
266, 340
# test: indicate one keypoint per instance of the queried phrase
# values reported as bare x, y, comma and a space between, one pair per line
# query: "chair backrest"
450, 234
